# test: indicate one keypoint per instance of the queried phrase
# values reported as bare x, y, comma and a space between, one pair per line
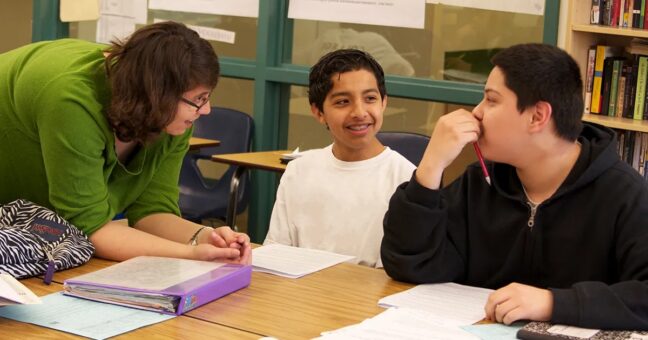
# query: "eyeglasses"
203, 101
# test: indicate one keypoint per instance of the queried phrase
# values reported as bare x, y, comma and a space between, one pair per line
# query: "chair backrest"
234, 129
204, 198
410, 145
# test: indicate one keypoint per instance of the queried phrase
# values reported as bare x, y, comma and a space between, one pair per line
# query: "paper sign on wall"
397, 13
535, 7
239, 8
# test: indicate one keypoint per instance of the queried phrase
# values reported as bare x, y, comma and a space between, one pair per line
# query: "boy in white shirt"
335, 198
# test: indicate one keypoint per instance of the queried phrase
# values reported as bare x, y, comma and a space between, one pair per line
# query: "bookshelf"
581, 35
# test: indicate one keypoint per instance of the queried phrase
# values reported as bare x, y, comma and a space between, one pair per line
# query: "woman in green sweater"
91, 132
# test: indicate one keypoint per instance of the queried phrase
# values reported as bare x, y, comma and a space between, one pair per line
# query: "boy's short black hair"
320, 79
540, 72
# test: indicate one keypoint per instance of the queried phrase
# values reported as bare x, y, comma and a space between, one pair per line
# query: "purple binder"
187, 295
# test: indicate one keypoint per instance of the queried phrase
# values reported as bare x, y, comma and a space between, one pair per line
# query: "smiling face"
186, 114
504, 135
353, 112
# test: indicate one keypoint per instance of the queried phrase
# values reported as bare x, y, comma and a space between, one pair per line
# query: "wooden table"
181, 327
263, 160
196, 143
302, 308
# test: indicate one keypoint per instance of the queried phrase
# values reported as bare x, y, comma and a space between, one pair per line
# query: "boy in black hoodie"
562, 232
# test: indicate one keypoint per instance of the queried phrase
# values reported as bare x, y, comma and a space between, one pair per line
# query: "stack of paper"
455, 304
429, 311
293, 262
400, 323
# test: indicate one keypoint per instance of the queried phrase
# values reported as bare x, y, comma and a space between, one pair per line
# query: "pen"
481, 162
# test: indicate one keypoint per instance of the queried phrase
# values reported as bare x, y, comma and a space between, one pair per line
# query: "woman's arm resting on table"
169, 235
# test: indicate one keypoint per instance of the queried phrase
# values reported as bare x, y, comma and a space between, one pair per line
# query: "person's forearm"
429, 176
168, 226
115, 241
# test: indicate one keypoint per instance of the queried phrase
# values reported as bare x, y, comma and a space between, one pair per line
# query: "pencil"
481, 162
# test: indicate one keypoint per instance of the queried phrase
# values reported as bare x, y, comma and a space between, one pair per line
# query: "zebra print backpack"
34, 240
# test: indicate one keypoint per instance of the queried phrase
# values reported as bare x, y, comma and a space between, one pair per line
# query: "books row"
633, 149
616, 81
619, 13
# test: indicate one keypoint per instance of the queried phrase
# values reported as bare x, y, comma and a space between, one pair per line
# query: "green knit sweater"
58, 150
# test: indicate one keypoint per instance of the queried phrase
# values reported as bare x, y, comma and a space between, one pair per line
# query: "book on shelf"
589, 78
628, 93
619, 13
636, 14
638, 46
602, 52
640, 91
620, 92
612, 84
595, 13
165, 285
633, 149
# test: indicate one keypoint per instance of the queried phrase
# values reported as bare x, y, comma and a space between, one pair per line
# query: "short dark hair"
541, 72
149, 73
320, 79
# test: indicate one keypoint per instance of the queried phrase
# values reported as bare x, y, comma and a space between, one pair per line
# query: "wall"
15, 24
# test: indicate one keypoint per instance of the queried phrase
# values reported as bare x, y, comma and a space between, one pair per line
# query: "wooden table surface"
196, 143
264, 160
284, 308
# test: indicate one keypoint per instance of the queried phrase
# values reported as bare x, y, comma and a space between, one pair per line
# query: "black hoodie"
588, 243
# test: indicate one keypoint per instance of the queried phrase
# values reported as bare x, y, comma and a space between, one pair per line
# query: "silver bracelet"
194, 239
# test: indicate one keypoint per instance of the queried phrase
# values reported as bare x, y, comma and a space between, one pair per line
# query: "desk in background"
302, 308
196, 143
263, 160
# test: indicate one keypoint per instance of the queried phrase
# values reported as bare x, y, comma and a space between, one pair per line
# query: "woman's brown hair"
149, 73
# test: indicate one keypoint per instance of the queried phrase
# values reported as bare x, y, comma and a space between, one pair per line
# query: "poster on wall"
239, 8
396, 13
117, 19
534, 7
209, 33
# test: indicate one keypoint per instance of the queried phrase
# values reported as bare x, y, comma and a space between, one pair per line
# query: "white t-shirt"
328, 204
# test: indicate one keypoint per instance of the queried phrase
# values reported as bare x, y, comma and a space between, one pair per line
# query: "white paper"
79, 10
149, 272
577, 332
293, 262
110, 27
122, 8
240, 8
13, 292
535, 7
398, 13
455, 304
400, 323
214, 34
209, 33
91, 319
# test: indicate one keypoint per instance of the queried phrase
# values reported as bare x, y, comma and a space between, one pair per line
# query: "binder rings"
166, 285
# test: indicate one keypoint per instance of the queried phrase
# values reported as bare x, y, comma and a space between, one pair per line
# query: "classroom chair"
201, 197
410, 145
